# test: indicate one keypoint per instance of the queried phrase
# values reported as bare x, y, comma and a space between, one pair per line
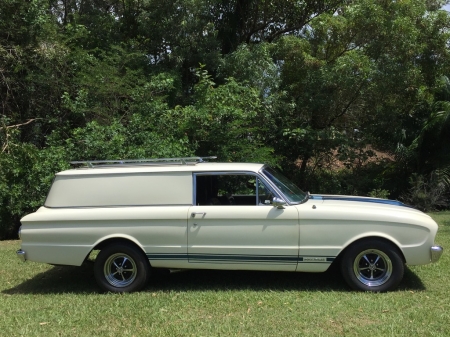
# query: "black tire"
372, 265
121, 268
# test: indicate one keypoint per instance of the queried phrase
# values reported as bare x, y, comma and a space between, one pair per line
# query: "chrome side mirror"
278, 202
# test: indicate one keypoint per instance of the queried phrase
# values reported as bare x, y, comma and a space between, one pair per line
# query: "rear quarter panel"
66, 236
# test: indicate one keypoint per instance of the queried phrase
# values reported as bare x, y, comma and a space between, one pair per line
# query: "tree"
355, 77
298, 84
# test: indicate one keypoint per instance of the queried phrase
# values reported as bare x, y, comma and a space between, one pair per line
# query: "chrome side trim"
21, 255
436, 252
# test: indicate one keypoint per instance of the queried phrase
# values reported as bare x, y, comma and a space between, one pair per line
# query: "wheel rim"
372, 267
120, 270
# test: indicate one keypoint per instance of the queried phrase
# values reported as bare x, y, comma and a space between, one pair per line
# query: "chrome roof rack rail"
152, 161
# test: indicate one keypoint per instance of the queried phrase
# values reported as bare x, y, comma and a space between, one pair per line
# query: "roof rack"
152, 161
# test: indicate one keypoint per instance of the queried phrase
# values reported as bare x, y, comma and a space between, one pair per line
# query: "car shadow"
59, 280
66, 279
411, 281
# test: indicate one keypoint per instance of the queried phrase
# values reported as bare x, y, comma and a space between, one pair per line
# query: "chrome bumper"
21, 255
436, 252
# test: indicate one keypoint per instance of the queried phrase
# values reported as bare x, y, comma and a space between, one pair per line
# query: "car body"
184, 213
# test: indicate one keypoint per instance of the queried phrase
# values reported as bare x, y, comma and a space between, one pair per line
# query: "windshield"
287, 187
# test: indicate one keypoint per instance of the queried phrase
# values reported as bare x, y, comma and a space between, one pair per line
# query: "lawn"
42, 300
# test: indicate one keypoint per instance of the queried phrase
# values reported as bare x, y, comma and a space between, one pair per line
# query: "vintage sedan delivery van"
180, 213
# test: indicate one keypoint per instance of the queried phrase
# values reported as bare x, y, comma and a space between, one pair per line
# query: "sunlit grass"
42, 300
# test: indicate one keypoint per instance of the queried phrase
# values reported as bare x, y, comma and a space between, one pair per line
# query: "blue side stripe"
237, 258
360, 199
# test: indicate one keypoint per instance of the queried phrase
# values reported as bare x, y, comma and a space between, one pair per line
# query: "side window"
231, 189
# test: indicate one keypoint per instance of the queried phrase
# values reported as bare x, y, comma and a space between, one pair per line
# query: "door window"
231, 189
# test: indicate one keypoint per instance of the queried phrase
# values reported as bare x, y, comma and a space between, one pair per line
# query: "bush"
379, 193
372, 179
426, 193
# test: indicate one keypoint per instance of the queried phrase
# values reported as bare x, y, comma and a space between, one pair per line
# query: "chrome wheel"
372, 267
121, 267
120, 270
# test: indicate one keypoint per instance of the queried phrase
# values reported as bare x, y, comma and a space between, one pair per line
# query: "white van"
180, 213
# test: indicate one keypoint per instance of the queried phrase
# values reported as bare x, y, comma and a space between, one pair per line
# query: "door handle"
193, 214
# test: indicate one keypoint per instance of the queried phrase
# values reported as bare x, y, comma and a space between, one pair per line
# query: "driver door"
233, 224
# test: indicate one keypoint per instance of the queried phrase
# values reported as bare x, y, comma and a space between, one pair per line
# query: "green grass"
42, 300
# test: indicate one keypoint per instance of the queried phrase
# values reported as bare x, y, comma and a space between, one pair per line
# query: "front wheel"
121, 268
372, 265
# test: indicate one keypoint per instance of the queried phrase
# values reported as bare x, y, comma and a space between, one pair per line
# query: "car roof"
149, 168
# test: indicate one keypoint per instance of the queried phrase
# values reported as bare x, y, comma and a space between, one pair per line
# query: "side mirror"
278, 202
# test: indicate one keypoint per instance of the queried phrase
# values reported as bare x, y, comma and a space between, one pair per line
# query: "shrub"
426, 193
379, 193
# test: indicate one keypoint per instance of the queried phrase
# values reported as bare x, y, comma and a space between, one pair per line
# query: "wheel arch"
110, 240
382, 238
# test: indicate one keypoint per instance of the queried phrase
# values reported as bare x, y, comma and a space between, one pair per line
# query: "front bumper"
21, 255
436, 252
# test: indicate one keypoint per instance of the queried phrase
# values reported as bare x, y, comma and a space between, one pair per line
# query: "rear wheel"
121, 268
372, 265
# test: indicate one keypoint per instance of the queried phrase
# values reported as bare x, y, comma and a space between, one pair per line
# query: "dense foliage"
348, 96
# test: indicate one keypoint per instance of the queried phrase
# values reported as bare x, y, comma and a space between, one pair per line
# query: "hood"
366, 210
